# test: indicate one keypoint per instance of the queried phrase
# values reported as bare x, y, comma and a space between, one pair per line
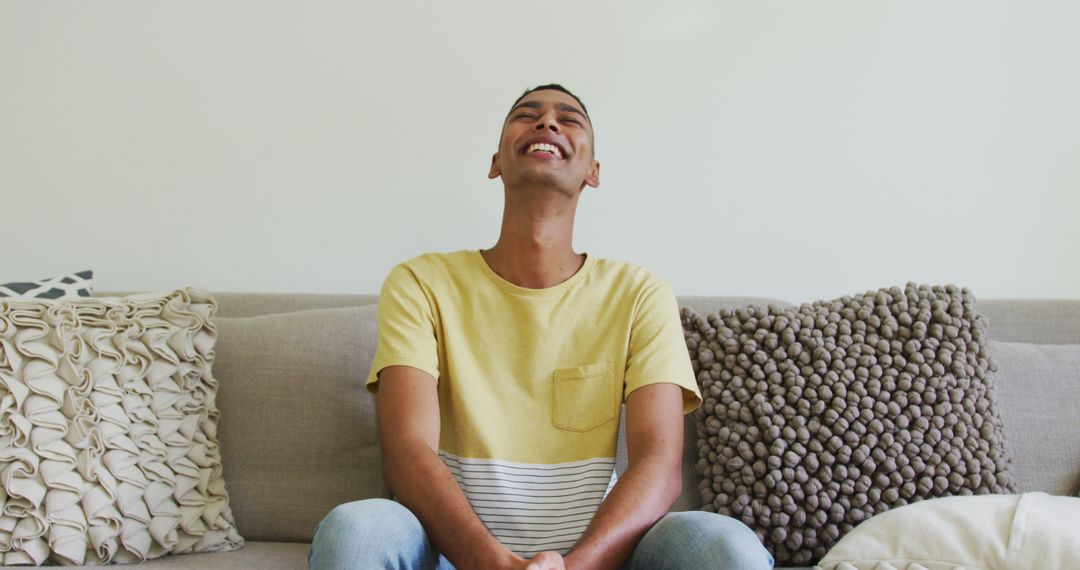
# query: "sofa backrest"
1036, 346
1040, 321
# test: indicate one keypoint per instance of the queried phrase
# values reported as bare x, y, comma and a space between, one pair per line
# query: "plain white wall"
797, 150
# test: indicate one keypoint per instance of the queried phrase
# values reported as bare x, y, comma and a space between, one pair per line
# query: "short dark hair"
556, 87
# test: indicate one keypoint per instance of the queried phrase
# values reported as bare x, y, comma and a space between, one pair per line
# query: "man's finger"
548, 561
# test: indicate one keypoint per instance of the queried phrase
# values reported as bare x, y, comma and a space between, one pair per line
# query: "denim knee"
699, 539
373, 518
373, 533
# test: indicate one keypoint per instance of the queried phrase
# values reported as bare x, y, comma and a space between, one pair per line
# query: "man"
500, 375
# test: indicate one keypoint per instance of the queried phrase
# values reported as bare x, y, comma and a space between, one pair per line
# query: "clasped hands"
547, 560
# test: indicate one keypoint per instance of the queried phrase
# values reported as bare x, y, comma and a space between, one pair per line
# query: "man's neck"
535, 247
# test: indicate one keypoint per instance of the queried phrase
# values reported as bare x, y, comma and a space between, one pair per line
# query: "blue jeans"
378, 533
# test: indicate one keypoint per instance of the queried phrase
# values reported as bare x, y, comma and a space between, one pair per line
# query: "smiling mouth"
544, 148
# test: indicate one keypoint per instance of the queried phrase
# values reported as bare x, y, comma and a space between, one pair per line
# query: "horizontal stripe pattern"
533, 507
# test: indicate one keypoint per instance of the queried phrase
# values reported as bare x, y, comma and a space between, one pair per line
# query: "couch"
293, 447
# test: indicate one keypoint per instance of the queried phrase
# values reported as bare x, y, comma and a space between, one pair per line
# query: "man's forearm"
642, 495
423, 483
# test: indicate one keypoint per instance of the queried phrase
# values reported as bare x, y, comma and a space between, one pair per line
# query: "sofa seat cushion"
254, 555
298, 435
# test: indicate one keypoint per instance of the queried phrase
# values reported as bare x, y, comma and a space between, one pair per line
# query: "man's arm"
650, 485
408, 415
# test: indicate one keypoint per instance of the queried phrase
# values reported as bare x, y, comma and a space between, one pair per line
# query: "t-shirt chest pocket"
584, 396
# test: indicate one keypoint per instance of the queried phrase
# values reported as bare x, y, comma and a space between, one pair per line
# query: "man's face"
547, 139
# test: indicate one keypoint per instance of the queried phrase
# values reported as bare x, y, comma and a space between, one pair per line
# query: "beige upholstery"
246, 415
1038, 395
293, 383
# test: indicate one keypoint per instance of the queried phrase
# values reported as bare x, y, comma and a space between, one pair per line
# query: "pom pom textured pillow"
108, 449
818, 417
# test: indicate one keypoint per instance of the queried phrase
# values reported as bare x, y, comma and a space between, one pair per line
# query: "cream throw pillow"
1007, 532
108, 448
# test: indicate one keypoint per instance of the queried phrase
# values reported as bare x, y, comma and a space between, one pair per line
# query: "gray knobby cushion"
819, 417
298, 432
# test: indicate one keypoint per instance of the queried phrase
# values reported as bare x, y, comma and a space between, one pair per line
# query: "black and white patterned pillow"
69, 286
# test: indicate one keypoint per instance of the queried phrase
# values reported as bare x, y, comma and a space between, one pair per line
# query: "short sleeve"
657, 351
406, 327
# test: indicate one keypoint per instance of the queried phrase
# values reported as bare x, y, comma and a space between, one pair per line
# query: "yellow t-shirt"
531, 381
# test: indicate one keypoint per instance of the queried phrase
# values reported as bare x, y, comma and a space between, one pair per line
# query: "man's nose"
547, 121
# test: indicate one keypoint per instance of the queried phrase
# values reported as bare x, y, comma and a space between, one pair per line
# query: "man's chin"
544, 182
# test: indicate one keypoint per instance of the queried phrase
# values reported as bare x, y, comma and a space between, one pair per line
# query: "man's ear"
495, 172
593, 177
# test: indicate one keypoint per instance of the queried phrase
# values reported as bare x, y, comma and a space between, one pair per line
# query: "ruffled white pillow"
108, 446
1014, 532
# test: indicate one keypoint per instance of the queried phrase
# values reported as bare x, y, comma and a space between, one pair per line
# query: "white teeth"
545, 147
